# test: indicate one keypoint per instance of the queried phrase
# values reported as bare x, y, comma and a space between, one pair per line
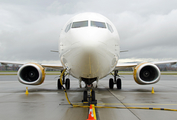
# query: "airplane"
89, 48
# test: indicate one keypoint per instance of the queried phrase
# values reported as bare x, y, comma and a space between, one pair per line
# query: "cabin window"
110, 28
98, 24
68, 27
80, 24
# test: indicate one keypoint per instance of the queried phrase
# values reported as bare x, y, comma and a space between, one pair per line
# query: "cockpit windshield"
80, 24
68, 27
98, 24
110, 28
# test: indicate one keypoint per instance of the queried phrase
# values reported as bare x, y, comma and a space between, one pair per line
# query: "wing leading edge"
56, 66
125, 65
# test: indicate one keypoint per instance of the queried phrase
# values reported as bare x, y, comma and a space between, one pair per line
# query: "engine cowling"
31, 74
146, 73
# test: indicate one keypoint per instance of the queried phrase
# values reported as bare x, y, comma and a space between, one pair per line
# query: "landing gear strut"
66, 82
116, 81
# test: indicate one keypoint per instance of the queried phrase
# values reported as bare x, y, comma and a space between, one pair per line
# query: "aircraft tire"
59, 85
85, 96
93, 95
119, 84
111, 83
67, 83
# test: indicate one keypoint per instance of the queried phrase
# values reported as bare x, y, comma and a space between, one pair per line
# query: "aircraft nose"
89, 58
89, 53
92, 37
91, 45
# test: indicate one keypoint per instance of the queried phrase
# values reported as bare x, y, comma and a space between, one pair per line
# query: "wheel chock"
152, 90
26, 91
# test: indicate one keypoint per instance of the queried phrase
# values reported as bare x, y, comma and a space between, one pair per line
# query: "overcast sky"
29, 29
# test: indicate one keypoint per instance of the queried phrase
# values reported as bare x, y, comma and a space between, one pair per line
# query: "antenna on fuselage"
54, 51
123, 50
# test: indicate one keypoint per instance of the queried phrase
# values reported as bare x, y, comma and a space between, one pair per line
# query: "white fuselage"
88, 46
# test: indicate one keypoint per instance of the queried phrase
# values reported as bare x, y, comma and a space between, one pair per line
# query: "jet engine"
31, 74
146, 73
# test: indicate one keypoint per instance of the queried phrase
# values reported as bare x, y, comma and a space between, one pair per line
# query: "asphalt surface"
45, 102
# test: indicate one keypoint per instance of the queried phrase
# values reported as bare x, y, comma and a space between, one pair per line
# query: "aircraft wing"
56, 66
12, 62
172, 62
125, 65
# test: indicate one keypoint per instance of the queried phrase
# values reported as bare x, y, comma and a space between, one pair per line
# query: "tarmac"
45, 102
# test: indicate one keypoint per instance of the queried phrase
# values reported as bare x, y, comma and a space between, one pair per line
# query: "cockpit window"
98, 24
110, 28
80, 24
68, 27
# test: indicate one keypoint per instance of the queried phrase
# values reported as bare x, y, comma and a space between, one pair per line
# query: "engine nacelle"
31, 74
146, 73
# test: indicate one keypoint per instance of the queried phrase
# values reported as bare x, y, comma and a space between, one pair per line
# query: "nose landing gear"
89, 96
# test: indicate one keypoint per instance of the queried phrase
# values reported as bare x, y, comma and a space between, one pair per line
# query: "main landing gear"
116, 81
66, 82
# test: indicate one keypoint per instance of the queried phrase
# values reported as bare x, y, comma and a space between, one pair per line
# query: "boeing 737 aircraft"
89, 48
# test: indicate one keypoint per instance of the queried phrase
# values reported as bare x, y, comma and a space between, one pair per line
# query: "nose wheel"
89, 97
116, 81
85, 95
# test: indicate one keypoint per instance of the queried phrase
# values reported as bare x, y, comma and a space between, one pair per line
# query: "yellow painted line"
149, 108
166, 109
93, 107
126, 103
133, 104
